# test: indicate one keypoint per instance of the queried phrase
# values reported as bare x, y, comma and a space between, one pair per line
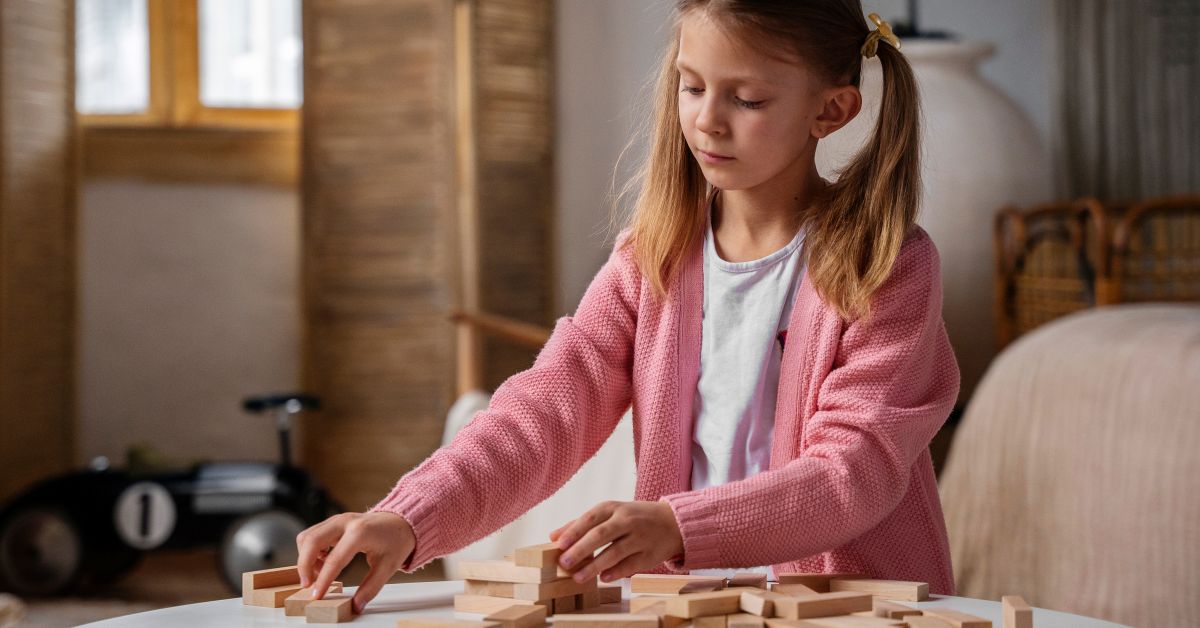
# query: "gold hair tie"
882, 31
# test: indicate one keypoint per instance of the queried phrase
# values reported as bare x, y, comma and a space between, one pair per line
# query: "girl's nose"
708, 119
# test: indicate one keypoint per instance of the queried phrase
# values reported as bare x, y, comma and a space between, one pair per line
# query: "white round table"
436, 599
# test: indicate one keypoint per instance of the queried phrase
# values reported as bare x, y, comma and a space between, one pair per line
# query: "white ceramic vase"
979, 152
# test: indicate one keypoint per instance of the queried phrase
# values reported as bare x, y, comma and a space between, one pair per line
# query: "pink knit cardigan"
850, 487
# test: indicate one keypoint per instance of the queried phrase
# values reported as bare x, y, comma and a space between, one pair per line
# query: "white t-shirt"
746, 305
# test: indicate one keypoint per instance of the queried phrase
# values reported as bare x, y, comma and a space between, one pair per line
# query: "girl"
779, 336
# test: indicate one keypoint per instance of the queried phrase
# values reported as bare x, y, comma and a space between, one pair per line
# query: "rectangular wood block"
484, 587
272, 597
709, 621
587, 599
333, 609
759, 603
519, 616
295, 603
925, 621
891, 610
644, 604
672, 584
794, 589
610, 595
822, 605
501, 571
1017, 614
565, 604
956, 618
486, 604
887, 589
548, 590
442, 622
818, 582
544, 555
703, 604
266, 578
748, 579
841, 621
614, 620
744, 620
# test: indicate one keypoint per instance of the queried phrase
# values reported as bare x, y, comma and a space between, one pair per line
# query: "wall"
188, 301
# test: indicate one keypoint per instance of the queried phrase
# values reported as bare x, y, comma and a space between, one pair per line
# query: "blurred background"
258, 258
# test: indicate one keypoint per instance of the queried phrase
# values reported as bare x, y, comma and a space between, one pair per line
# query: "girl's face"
748, 118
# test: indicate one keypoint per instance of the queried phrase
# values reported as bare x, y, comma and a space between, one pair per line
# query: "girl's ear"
839, 106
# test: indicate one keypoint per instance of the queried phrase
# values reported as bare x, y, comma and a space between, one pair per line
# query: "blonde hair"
854, 237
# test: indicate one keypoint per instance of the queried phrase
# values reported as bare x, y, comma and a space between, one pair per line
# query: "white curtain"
1127, 106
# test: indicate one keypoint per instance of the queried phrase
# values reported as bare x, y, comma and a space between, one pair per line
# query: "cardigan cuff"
696, 516
419, 512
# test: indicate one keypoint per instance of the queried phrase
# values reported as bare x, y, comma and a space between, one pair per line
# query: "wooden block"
1017, 614
748, 579
610, 595
547, 590
891, 610
818, 582
703, 604
794, 589
333, 609
759, 603
835, 621
501, 571
673, 584
822, 605
957, 619
272, 597
925, 621
478, 587
887, 589
709, 621
294, 605
544, 555
642, 603
267, 578
614, 620
565, 604
486, 604
744, 620
587, 599
442, 622
519, 616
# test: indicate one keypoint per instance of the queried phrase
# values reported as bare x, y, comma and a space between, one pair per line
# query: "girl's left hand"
643, 536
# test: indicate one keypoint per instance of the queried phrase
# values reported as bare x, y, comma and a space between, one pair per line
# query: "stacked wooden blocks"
280, 588
531, 577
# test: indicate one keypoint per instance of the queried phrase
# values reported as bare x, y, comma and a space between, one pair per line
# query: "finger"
579, 527
613, 554
596, 538
635, 562
555, 533
335, 562
376, 577
311, 543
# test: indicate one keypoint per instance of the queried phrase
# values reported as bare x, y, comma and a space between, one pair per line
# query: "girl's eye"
742, 103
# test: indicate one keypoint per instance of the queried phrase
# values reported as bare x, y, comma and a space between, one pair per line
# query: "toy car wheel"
259, 541
41, 551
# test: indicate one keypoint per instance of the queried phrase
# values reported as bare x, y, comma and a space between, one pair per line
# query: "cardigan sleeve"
540, 426
892, 385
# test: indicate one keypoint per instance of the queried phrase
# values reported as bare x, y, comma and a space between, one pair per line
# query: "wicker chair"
1049, 260
1156, 253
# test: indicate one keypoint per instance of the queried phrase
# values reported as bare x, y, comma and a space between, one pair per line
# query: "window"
188, 63
190, 90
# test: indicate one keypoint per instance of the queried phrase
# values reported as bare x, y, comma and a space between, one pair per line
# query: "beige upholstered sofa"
1074, 477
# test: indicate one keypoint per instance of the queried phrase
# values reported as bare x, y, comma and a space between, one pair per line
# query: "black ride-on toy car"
92, 526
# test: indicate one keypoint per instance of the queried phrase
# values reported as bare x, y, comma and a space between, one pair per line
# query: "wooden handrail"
517, 332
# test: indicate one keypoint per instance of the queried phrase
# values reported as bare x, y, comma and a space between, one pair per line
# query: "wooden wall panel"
377, 186
391, 169
514, 82
38, 162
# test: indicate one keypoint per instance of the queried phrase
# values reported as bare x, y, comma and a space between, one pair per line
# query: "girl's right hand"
385, 538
